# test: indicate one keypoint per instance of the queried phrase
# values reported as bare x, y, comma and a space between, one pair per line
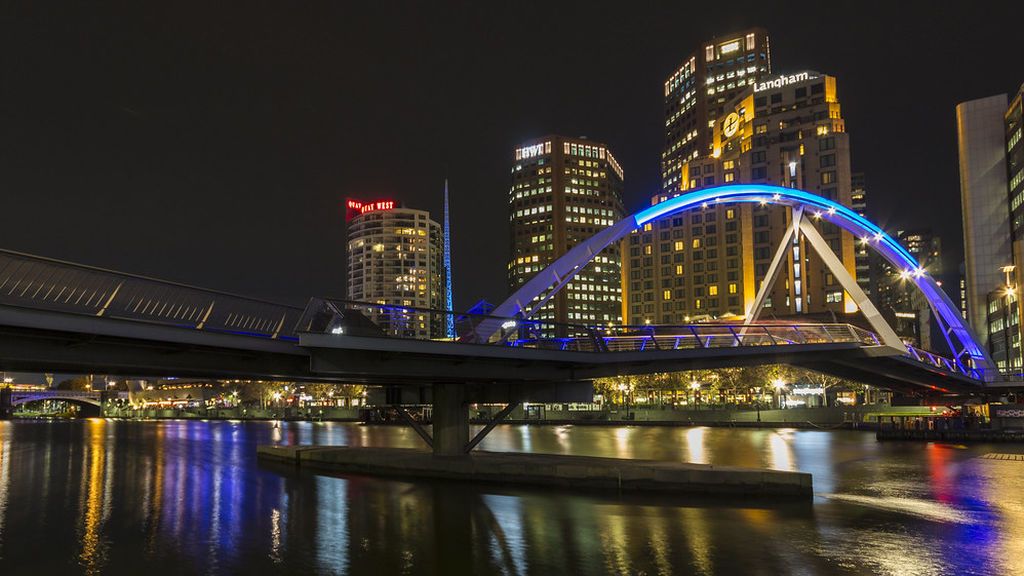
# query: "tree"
77, 384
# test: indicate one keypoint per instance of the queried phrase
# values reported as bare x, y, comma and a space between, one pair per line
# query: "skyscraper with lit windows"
785, 130
696, 95
564, 190
395, 257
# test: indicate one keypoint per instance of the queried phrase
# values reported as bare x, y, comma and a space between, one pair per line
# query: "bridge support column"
450, 418
6, 403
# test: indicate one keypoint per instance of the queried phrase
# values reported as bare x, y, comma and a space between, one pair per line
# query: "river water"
183, 497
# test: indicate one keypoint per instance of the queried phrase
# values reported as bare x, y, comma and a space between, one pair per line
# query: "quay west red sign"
354, 208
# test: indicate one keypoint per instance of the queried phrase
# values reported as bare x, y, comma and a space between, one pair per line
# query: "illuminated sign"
731, 124
533, 151
780, 81
376, 206
807, 391
354, 208
729, 47
906, 315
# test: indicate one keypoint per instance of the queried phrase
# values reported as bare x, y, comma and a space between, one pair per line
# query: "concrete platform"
548, 470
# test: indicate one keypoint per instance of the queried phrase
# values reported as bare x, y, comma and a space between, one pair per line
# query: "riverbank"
864, 417
556, 470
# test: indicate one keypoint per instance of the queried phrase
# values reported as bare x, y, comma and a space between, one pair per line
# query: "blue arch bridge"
66, 317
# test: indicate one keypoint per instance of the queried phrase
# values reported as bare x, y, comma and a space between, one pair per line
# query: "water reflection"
113, 497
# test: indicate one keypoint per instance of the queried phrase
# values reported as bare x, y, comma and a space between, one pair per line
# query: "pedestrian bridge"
67, 317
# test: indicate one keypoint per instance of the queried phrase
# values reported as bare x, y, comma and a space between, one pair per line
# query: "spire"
449, 318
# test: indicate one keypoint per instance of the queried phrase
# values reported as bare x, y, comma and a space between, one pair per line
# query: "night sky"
214, 144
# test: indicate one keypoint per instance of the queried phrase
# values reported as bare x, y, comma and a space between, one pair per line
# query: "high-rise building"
564, 190
395, 258
1014, 126
788, 131
902, 305
866, 260
981, 136
697, 93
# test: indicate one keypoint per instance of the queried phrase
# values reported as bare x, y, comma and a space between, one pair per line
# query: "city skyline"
153, 165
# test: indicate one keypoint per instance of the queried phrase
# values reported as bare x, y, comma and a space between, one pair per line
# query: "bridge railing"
345, 317
38, 283
387, 320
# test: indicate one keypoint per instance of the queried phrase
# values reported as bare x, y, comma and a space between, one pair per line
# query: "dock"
554, 470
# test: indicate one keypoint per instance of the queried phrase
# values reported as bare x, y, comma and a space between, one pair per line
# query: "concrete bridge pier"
450, 418
450, 408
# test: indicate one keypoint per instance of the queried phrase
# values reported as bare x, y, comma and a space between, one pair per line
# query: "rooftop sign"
785, 80
354, 208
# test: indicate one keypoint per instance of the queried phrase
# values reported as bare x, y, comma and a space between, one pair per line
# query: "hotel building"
785, 130
564, 190
395, 258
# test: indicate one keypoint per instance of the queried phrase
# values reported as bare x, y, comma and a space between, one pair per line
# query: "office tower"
897, 297
986, 211
1004, 305
866, 261
564, 190
785, 130
395, 258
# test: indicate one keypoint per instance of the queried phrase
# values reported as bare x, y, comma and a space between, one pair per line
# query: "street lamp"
779, 384
695, 386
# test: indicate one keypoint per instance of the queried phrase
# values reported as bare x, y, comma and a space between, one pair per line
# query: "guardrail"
337, 316
33, 282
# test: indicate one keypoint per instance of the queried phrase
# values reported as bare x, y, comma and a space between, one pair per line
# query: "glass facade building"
981, 139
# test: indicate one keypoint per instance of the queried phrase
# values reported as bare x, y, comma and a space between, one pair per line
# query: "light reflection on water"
109, 497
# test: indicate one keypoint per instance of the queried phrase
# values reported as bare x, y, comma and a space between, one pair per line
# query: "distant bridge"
93, 398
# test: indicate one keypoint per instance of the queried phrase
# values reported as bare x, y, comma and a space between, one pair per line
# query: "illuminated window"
666, 295
729, 164
696, 242
750, 41
679, 245
712, 290
647, 250
647, 227
730, 214
679, 269
709, 53
729, 177
697, 304
732, 288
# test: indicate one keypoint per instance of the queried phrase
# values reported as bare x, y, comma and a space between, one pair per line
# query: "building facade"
866, 260
785, 130
395, 258
697, 93
565, 190
983, 198
902, 305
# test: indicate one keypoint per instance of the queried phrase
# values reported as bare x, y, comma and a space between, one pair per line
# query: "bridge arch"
538, 290
80, 400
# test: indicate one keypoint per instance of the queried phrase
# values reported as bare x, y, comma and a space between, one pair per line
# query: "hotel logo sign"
784, 80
